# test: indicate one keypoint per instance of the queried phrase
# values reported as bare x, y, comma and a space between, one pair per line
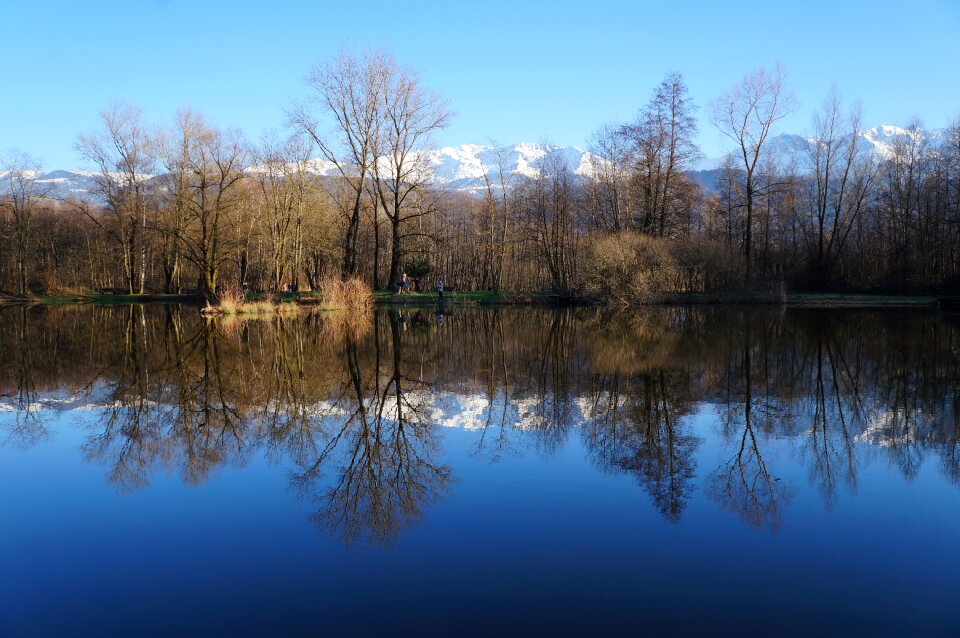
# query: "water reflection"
355, 411
382, 442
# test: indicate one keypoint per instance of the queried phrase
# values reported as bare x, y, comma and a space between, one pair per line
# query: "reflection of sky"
545, 541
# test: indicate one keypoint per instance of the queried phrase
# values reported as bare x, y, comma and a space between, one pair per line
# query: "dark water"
670, 471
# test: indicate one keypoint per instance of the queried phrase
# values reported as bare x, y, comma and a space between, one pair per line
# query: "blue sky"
512, 71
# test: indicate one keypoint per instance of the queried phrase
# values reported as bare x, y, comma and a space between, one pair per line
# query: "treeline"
188, 207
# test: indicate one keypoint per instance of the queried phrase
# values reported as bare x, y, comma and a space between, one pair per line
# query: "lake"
479, 472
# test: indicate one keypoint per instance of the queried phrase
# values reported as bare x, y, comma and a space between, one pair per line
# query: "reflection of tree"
494, 439
287, 422
551, 371
829, 442
190, 396
641, 433
130, 434
384, 447
744, 484
185, 411
27, 427
950, 457
902, 422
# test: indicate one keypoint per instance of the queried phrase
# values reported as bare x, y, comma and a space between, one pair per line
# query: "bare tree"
842, 181
663, 146
550, 203
611, 168
296, 175
746, 114
24, 193
349, 92
280, 181
496, 197
206, 170
904, 174
123, 152
401, 171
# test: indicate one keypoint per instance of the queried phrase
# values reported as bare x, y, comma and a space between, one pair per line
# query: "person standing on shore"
440, 289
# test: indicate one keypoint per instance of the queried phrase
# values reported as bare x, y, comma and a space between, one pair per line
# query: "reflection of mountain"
95, 398
160, 388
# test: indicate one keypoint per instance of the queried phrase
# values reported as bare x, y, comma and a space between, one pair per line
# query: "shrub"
627, 267
348, 294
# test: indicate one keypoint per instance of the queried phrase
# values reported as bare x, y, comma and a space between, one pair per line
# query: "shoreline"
541, 299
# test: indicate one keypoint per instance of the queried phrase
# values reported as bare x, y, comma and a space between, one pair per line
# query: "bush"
627, 267
349, 294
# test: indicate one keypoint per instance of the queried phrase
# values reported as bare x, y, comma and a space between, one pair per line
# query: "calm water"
479, 472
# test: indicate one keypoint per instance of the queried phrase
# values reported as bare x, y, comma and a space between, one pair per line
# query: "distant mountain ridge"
462, 168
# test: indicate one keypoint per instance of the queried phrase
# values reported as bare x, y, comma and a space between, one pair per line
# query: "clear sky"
511, 70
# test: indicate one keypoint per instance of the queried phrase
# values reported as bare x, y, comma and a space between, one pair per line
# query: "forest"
186, 207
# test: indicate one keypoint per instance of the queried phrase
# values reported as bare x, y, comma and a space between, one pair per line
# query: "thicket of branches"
188, 207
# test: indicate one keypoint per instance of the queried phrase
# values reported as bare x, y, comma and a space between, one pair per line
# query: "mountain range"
462, 168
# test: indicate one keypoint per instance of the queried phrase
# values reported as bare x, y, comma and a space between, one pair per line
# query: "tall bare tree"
124, 154
904, 174
746, 114
206, 167
496, 202
344, 117
280, 176
401, 171
663, 146
842, 179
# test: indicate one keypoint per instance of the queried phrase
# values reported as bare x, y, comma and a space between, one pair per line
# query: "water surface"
479, 471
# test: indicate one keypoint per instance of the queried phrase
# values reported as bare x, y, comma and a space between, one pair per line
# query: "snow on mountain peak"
462, 168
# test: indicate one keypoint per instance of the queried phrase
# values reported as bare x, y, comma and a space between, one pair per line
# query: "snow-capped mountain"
459, 168
788, 149
462, 168
60, 184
